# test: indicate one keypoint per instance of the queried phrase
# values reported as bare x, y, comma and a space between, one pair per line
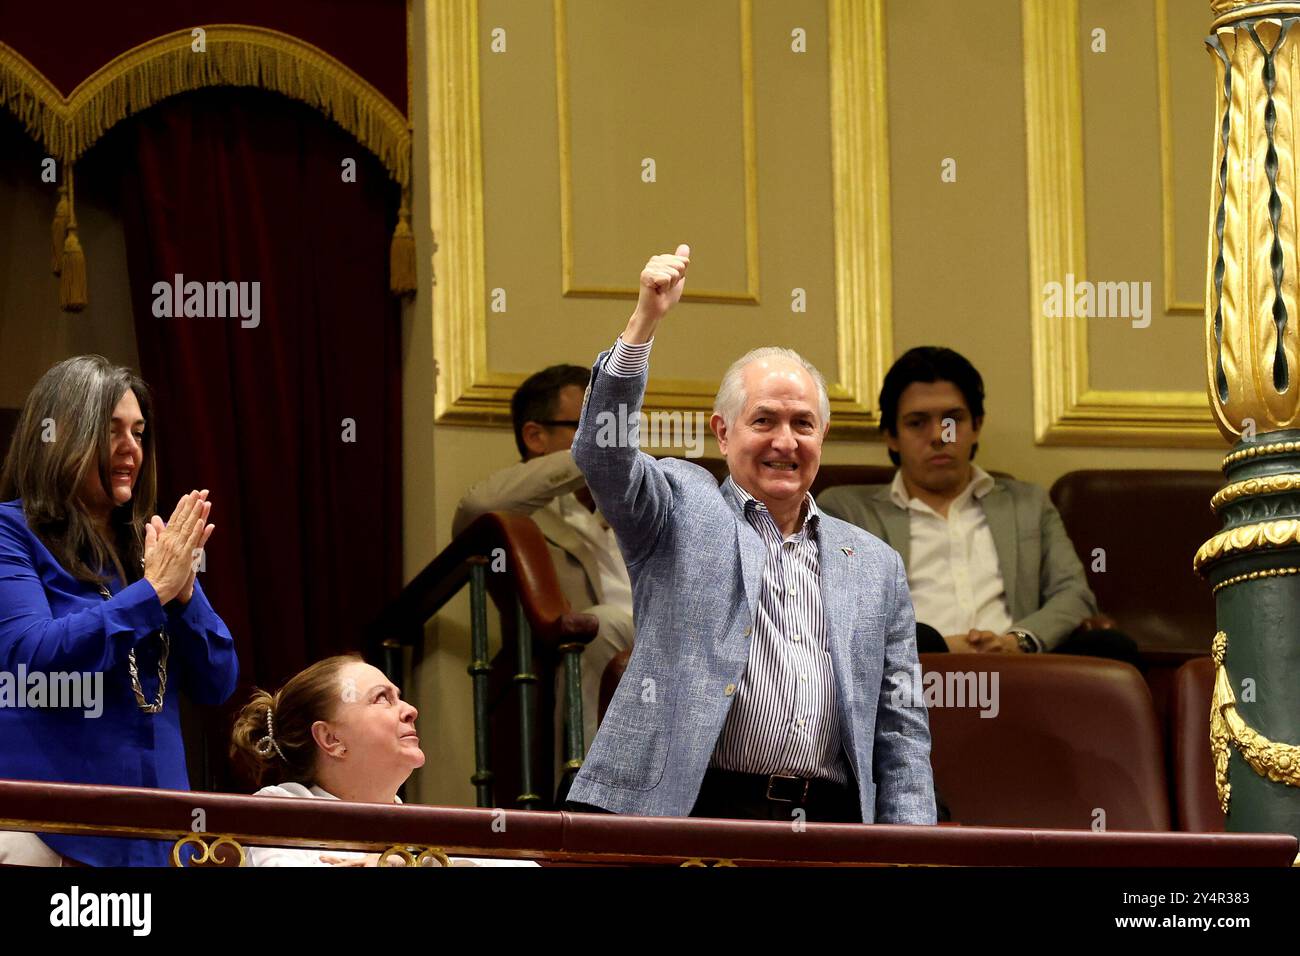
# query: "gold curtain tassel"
72, 278
401, 255
59, 231
72, 282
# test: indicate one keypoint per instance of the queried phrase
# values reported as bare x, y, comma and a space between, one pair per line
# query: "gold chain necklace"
157, 705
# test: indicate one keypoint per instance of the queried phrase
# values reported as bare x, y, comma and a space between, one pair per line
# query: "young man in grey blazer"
989, 564
770, 637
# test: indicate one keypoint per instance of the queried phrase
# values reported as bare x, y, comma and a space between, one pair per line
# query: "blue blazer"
696, 566
52, 622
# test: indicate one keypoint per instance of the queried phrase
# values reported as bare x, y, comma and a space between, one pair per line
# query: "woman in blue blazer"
102, 620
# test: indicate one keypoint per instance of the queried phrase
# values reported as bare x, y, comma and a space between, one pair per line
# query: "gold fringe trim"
31, 98
235, 55
1276, 761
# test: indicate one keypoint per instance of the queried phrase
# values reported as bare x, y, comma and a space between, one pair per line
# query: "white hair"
730, 401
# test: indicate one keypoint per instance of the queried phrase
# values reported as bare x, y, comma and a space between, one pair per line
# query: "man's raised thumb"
684, 251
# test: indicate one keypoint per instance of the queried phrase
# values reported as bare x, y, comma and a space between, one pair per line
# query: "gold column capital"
1226, 11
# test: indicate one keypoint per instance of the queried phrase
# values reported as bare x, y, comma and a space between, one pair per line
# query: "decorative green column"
1254, 388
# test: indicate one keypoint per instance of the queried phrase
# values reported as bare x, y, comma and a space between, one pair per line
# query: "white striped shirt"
784, 717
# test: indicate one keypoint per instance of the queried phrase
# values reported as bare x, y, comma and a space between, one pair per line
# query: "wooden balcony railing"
567, 838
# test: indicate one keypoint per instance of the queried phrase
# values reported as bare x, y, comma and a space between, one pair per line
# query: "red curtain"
294, 424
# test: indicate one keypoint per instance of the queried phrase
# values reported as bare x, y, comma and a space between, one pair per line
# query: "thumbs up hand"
662, 282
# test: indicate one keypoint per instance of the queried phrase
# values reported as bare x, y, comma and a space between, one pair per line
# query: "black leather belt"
778, 787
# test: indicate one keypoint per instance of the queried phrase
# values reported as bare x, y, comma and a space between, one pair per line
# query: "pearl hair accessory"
267, 743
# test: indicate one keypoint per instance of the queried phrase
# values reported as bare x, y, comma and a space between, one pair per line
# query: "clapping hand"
172, 550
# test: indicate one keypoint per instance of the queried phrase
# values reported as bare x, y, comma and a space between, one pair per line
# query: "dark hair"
63, 435
310, 695
534, 400
929, 363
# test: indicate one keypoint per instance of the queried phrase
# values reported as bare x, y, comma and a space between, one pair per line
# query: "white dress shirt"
952, 570
784, 717
614, 586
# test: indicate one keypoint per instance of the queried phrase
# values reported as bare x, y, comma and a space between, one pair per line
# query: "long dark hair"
63, 435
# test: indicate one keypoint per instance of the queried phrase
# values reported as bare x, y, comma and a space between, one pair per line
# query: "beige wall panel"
795, 207
960, 249
34, 332
675, 95
701, 194
1122, 137
1116, 389
1189, 110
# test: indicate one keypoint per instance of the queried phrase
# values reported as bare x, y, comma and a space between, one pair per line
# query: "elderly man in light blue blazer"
772, 639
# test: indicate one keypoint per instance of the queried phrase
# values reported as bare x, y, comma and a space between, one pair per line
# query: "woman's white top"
285, 856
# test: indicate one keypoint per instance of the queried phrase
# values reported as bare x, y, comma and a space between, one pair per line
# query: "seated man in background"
547, 486
989, 564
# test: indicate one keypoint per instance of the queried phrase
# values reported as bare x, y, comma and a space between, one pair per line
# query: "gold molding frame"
749, 137
1067, 411
1164, 85
468, 393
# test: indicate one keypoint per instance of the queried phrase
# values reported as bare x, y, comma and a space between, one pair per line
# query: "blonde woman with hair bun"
338, 730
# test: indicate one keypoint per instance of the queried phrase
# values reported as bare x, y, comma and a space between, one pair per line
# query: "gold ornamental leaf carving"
1278, 762
1264, 485
1251, 537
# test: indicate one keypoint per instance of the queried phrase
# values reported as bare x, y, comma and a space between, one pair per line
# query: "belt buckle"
772, 781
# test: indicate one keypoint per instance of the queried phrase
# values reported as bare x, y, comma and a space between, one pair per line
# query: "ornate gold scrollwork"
1276, 761
1263, 485
208, 856
427, 856
702, 861
1250, 537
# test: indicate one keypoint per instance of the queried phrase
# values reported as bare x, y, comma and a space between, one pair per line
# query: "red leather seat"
1074, 744
1072, 735
1149, 523
1196, 801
